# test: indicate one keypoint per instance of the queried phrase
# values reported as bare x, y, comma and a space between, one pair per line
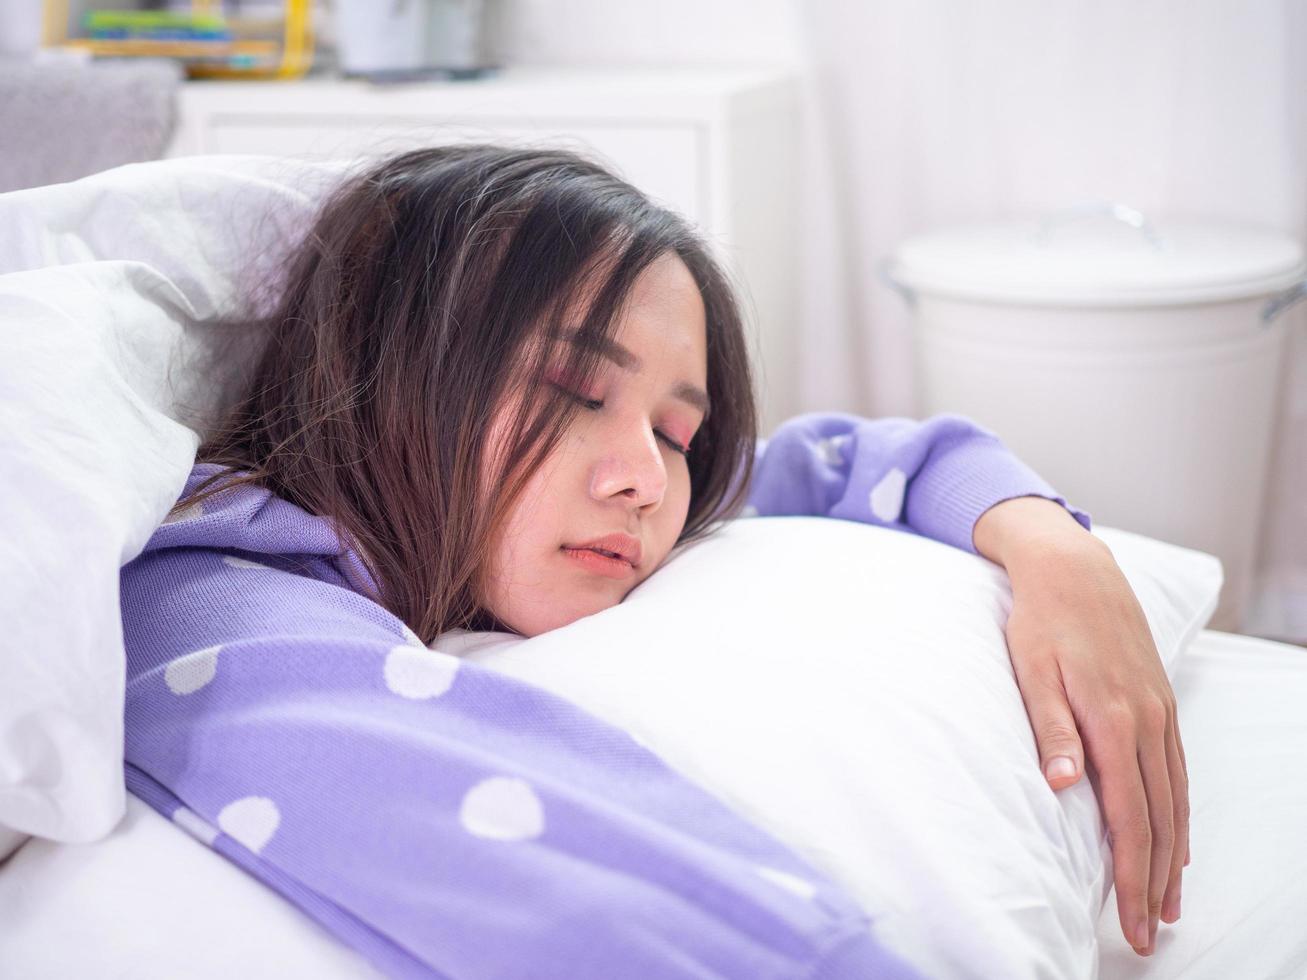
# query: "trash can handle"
1278, 304
1127, 215
887, 267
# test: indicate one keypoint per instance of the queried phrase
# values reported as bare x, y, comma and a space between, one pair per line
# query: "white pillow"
848, 688
111, 310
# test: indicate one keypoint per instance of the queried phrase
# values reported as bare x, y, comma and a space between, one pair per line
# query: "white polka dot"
804, 889
416, 672
502, 808
190, 512
887, 498
195, 825
236, 562
749, 511
251, 820
191, 672
831, 450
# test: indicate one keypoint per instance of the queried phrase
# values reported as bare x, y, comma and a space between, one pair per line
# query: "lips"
621, 546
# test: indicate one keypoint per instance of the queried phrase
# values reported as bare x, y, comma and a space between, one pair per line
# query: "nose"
631, 467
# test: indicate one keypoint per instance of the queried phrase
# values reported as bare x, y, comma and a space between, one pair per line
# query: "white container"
1136, 368
381, 35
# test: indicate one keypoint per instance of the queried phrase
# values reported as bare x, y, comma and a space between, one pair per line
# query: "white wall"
619, 32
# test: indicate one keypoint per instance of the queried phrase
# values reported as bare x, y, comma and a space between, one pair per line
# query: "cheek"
519, 556
676, 505
509, 573
527, 521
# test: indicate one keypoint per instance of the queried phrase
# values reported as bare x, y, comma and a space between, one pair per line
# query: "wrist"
1020, 530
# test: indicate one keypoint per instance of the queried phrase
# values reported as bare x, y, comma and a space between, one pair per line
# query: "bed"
889, 749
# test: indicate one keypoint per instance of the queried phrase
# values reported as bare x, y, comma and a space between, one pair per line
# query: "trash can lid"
1099, 255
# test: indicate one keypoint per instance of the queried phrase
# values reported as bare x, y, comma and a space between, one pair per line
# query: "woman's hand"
1094, 687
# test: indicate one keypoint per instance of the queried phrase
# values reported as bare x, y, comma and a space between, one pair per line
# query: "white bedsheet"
149, 901
1243, 717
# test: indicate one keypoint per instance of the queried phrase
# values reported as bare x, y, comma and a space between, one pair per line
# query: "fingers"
1180, 800
1179, 744
1125, 811
1061, 757
1152, 754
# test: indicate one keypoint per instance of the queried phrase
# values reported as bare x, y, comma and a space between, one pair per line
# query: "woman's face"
617, 481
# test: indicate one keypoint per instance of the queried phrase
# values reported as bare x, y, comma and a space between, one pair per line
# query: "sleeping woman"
501, 386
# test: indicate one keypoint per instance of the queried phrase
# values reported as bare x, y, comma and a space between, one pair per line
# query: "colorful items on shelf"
207, 43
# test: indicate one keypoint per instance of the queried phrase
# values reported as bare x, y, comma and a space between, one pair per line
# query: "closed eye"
676, 446
594, 404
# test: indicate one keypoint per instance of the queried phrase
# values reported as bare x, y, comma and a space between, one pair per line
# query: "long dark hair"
431, 287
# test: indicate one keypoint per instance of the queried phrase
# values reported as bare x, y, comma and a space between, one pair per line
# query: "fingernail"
1060, 767
1141, 934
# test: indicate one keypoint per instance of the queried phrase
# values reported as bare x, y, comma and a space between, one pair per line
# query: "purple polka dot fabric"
934, 477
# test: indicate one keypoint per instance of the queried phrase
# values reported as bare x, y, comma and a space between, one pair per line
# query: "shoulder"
246, 565
181, 600
244, 516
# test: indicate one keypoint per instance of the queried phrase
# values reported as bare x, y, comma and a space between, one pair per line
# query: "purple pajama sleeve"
934, 477
441, 818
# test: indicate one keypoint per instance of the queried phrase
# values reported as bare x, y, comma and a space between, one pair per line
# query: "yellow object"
259, 41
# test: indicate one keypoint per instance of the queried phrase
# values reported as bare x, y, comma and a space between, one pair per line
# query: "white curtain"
921, 114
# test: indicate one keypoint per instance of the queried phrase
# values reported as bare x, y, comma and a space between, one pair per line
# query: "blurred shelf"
175, 49
518, 92
259, 48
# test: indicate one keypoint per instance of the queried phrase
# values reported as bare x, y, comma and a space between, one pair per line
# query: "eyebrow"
628, 361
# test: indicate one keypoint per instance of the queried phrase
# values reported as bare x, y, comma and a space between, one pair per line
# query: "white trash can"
1136, 367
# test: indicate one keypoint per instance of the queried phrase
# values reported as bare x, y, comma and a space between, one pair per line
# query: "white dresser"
717, 145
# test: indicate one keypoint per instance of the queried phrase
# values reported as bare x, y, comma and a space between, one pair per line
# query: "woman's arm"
1082, 652
1098, 698
935, 477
